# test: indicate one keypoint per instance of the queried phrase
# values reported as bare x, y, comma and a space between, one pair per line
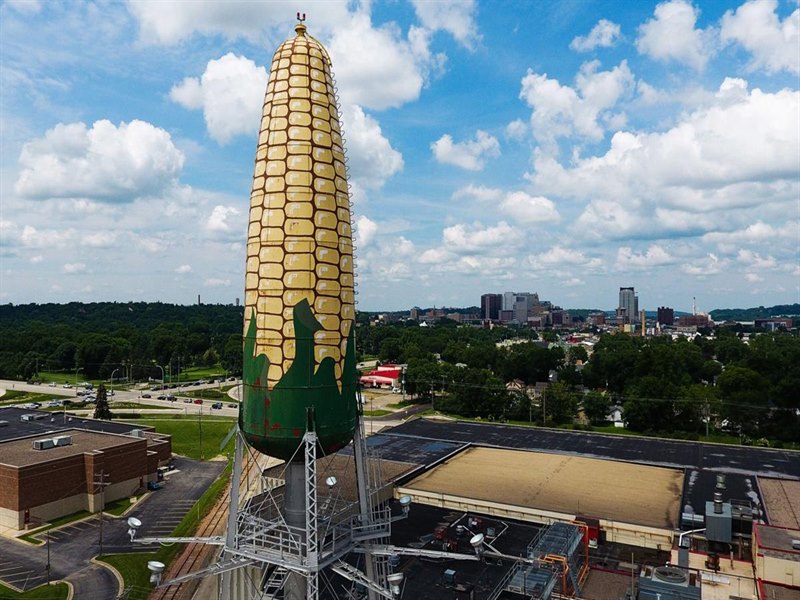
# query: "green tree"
101, 407
596, 405
743, 393
561, 403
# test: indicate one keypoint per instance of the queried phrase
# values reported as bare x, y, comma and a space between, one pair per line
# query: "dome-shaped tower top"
299, 284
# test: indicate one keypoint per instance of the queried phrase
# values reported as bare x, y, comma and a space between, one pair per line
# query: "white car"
54, 403
52, 384
67, 386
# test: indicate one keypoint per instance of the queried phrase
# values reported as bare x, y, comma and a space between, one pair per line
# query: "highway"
180, 406
161, 406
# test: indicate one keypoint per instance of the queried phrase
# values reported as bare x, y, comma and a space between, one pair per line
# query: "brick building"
53, 465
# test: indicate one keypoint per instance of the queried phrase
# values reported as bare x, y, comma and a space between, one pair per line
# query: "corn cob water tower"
293, 538
300, 377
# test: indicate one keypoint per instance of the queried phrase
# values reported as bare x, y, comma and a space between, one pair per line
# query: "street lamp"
76, 374
112, 380
162, 373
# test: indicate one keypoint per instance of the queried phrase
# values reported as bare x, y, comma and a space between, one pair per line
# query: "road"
74, 545
375, 400
178, 406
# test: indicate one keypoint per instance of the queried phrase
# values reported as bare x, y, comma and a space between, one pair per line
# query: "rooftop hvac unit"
63, 440
43, 444
137, 433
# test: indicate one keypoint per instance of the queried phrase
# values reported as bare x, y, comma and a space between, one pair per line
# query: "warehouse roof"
560, 483
44, 422
21, 453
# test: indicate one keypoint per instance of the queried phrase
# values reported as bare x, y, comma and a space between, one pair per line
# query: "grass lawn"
28, 537
210, 394
133, 567
59, 591
20, 397
376, 413
195, 373
117, 507
185, 432
116, 405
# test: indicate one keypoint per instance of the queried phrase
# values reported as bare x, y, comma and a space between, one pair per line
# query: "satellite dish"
156, 566
134, 522
477, 540
330, 481
405, 500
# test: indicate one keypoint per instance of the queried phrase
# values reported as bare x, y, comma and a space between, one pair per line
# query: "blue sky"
567, 148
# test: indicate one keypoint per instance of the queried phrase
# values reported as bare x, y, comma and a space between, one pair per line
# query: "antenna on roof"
301, 19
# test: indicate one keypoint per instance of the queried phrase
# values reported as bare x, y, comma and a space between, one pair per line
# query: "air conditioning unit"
43, 444
63, 440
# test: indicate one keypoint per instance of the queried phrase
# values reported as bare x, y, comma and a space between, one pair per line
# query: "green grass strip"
58, 591
133, 567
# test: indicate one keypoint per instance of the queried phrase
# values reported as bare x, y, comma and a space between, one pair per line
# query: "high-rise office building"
629, 302
491, 304
665, 316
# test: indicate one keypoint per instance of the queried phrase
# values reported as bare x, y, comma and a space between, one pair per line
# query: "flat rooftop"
777, 542
54, 422
20, 452
560, 483
782, 501
765, 462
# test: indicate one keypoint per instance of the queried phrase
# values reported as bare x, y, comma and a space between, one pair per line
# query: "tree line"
97, 338
678, 387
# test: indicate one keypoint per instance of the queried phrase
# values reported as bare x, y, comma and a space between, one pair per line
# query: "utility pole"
101, 484
48, 557
200, 425
544, 407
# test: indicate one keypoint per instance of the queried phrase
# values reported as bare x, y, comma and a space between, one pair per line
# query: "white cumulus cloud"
218, 220
470, 155
655, 256
372, 159
72, 268
230, 92
604, 34
183, 269
106, 163
529, 209
560, 110
773, 44
366, 230
671, 35
457, 18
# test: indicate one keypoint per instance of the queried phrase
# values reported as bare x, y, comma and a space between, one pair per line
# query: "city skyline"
656, 147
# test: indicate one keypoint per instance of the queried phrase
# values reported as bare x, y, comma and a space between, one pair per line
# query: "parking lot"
72, 546
22, 575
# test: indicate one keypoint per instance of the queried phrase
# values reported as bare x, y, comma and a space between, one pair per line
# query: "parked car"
154, 485
187, 400
67, 386
161, 397
171, 398
52, 384
54, 403
147, 396
217, 405
233, 405
198, 401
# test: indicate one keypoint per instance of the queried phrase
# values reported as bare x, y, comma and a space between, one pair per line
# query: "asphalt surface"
73, 546
650, 451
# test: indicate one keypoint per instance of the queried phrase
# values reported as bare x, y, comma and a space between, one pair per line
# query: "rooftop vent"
671, 575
